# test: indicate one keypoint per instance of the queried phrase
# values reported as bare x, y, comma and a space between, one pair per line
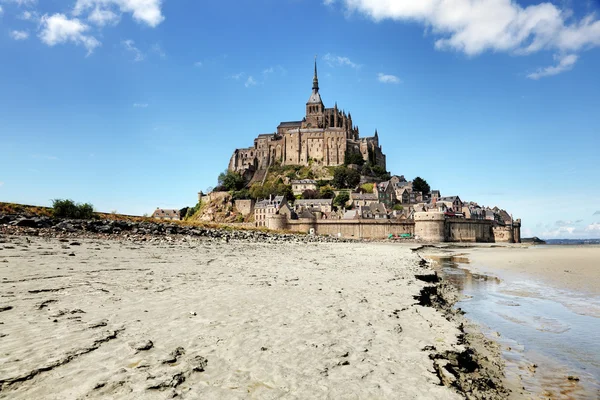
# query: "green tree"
344, 178
341, 199
230, 180
68, 209
398, 207
326, 192
310, 194
352, 157
367, 187
420, 185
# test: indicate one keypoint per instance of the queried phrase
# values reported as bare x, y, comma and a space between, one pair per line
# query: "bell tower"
314, 106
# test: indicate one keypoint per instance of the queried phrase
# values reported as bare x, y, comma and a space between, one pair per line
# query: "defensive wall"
426, 227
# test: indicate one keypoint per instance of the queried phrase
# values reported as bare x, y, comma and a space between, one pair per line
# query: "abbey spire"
315, 87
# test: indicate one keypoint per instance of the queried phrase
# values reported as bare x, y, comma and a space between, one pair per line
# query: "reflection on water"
544, 342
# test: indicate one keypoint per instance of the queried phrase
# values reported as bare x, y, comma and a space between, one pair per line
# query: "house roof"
449, 198
304, 181
306, 214
289, 124
363, 196
163, 212
317, 202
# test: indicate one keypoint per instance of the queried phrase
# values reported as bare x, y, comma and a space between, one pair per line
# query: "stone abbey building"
324, 135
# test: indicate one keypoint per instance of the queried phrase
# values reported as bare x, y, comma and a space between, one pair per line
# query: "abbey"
324, 135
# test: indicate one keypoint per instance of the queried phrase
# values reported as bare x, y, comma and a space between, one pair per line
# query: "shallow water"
546, 335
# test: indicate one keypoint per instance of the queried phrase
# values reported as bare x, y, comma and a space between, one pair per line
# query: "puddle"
546, 335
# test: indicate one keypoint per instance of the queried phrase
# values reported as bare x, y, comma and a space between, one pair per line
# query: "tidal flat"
96, 317
542, 305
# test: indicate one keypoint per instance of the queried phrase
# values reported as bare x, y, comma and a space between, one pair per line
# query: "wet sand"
94, 318
542, 305
575, 268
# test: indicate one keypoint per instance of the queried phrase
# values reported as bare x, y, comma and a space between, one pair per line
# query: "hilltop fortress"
324, 135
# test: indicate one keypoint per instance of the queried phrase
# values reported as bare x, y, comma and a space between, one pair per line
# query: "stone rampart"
245, 207
427, 227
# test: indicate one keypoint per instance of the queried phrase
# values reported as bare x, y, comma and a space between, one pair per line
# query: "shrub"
367, 187
326, 192
344, 178
63, 208
231, 180
398, 207
341, 199
310, 194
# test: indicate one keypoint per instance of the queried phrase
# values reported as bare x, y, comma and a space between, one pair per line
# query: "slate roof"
304, 181
161, 213
310, 202
364, 196
289, 124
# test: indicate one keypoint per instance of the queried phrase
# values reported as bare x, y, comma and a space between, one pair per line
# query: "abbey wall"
324, 135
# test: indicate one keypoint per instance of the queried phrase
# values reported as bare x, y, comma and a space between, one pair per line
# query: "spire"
315, 79
375, 132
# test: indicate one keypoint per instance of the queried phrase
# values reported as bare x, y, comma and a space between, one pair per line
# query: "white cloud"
1, 183
145, 11
130, 46
140, 105
268, 71
1, 10
597, 212
383, 78
593, 227
338, 61
473, 27
250, 82
565, 63
102, 17
19, 35
58, 29
239, 76
198, 64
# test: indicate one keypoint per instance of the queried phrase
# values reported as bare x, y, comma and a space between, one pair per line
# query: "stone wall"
245, 207
426, 227
358, 229
470, 230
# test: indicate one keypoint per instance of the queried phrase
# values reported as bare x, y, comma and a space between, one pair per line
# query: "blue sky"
138, 104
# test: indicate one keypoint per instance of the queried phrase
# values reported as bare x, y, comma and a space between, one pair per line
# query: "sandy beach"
96, 318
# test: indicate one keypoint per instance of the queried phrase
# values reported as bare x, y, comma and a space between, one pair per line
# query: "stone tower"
314, 107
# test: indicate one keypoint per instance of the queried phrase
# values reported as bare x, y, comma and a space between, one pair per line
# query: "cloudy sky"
138, 104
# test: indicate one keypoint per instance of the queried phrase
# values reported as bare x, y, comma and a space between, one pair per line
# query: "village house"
373, 211
300, 185
363, 199
472, 211
265, 208
320, 205
453, 203
385, 193
166, 214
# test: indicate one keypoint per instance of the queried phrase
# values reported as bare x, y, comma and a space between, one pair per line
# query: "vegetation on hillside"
420, 185
69, 209
345, 178
341, 199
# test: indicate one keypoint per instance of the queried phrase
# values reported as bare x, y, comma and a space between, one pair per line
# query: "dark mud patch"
477, 374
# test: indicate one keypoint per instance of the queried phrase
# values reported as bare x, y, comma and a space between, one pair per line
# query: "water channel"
550, 344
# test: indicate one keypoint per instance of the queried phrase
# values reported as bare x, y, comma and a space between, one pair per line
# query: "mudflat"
575, 268
98, 318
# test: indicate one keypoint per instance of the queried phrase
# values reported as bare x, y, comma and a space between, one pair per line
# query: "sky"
137, 104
